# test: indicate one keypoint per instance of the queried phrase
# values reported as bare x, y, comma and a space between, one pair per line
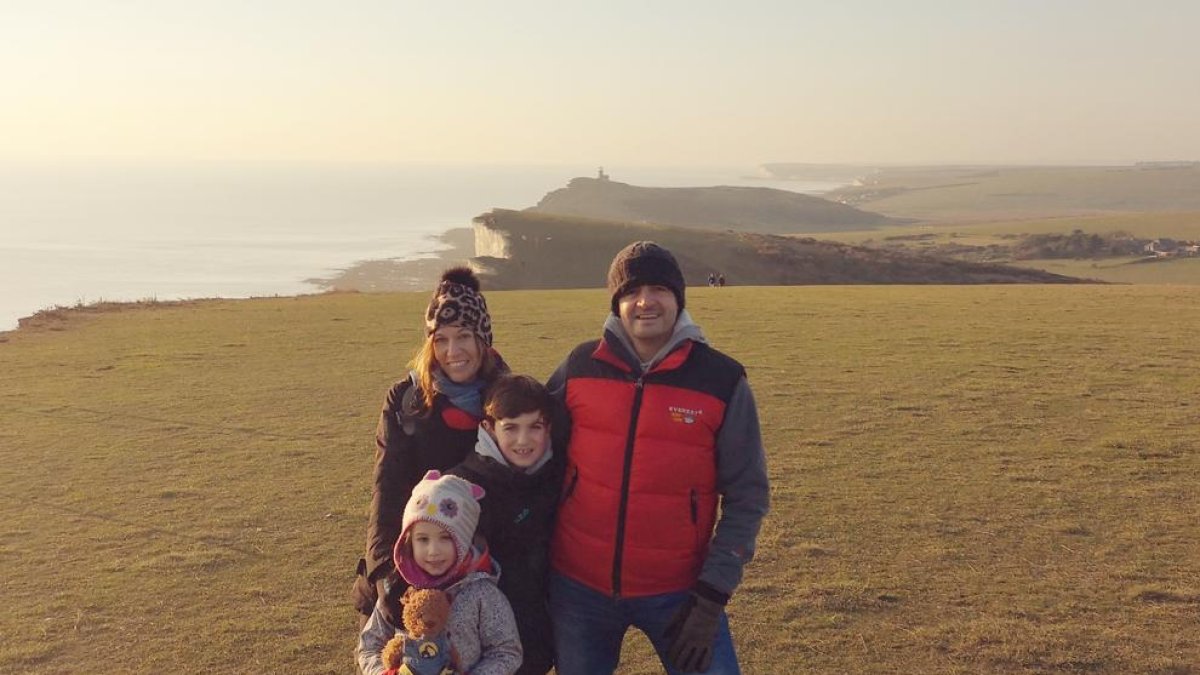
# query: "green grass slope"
929, 236
974, 193
1124, 270
554, 251
1181, 225
751, 209
964, 479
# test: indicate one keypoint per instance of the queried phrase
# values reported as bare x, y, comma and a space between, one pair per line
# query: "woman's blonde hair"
424, 363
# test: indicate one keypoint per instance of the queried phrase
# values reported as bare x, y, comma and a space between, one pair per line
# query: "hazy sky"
648, 82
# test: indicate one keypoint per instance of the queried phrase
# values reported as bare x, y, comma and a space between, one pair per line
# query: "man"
663, 430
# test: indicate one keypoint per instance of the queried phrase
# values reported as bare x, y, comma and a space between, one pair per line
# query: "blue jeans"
589, 628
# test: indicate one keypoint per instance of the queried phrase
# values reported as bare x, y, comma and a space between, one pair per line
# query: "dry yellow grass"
1125, 270
1181, 225
965, 479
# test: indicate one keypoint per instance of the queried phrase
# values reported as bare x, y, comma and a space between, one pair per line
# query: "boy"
512, 463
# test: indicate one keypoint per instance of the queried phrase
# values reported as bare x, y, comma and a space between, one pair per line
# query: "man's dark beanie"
644, 263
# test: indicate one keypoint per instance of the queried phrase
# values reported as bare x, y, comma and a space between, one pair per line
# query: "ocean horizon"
82, 234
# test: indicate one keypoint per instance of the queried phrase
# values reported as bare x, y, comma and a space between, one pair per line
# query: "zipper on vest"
695, 503
624, 504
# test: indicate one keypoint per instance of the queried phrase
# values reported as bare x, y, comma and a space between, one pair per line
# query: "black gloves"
692, 632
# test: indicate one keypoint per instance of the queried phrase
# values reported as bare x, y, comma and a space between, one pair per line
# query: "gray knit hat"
457, 301
448, 501
644, 263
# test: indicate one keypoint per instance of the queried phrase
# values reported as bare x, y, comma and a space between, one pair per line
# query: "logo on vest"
684, 415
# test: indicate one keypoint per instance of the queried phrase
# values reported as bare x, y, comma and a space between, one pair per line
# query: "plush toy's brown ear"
408, 593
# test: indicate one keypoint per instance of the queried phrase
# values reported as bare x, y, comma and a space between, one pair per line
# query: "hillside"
996, 241
750, 209
520, 249
982, 193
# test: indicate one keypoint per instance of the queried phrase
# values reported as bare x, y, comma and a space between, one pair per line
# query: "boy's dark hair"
514, 395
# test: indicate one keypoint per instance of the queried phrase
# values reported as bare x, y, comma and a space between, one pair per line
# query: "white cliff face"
491, 243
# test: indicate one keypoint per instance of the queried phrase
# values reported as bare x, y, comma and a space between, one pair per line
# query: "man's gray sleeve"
745, 494
560, 417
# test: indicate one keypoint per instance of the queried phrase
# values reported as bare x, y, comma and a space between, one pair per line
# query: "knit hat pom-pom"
462, 276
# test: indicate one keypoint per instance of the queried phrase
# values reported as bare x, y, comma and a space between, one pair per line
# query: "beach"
403, 274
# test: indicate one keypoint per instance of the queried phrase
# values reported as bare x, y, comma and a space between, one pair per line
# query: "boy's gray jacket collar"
486, 446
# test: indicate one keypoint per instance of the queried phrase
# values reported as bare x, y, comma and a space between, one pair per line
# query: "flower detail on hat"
447, 501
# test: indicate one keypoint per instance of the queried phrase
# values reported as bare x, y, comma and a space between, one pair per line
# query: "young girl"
435, 551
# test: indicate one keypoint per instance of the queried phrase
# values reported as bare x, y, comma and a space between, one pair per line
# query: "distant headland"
569, 237
752, 209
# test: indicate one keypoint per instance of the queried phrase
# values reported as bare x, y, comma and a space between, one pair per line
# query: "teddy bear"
422, 647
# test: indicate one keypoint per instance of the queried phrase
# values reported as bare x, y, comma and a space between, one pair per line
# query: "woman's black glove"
692, 632
389, 588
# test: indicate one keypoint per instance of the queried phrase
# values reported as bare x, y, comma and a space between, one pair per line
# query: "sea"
85, 233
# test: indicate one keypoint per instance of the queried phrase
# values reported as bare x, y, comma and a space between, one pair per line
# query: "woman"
429, 421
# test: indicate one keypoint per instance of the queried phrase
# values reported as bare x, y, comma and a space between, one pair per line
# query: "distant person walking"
712, 279
665, 485
721, 280
430, 420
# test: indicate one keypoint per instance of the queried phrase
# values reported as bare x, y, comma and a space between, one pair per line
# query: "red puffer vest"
640, 497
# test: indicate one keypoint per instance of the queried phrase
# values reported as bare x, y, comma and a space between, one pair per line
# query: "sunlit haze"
667, 83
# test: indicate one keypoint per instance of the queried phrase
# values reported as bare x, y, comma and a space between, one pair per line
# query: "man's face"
648, 315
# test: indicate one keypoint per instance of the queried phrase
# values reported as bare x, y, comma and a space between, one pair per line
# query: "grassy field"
1183, 225
1123, 270
965, 479
976, 193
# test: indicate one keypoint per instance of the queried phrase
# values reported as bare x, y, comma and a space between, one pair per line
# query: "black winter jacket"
401, 459
517, 520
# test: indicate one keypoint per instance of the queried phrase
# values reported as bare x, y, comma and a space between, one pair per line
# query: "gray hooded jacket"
482, 630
